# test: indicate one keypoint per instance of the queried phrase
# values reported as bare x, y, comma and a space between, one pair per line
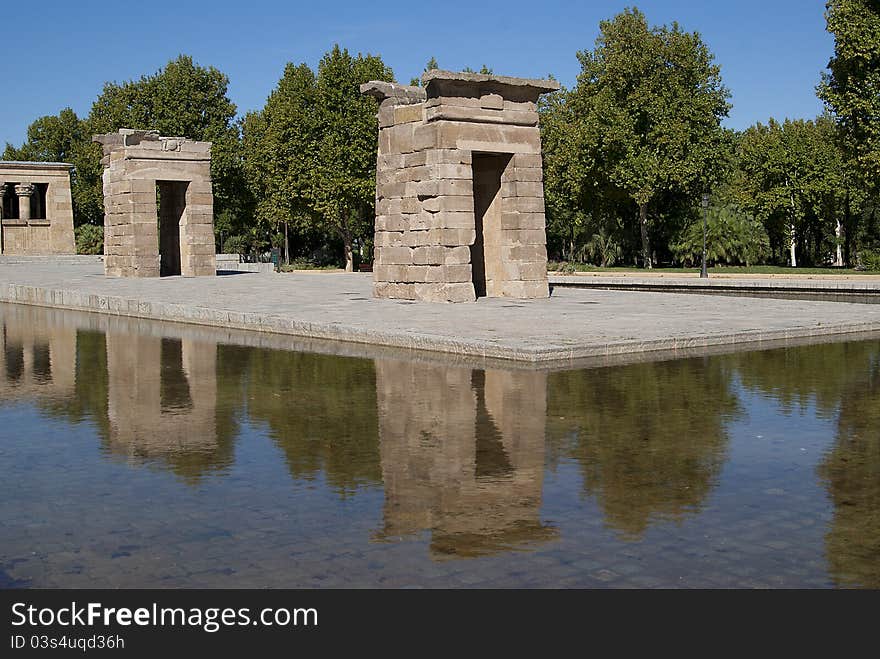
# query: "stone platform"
864, 287
571, 325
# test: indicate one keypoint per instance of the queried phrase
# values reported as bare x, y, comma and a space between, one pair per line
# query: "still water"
137, 454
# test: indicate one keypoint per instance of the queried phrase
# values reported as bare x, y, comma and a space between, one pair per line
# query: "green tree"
650, 100
343, 161
732, 238
851, 87
278, 144
66, 138
790, 178
184, 99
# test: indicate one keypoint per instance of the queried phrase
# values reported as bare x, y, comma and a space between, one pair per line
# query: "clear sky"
771, 52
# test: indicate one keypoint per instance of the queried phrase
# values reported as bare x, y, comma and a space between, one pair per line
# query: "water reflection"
461, 457
851, 471
650, 438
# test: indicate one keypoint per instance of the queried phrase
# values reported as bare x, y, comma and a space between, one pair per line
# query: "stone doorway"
486, 262
171, 202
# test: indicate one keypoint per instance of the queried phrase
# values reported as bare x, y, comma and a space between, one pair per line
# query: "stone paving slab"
572, 324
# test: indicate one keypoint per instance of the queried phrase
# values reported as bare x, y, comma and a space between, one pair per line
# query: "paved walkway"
572, 324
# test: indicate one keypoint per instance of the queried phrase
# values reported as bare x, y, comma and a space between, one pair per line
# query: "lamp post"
704, 272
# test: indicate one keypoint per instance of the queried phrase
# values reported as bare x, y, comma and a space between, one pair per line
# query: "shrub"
733, 238
870, 259
236, 245
89, 239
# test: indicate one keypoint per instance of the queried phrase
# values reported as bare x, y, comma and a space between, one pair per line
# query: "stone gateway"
459, 188
158, 205
37, 210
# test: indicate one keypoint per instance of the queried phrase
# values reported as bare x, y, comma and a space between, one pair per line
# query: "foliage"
237, 245
311, 152
67, 138
183, 99
732, 238
89, 239
278, 152
645, 113
870, 259
791, 179
603, 248
851, 88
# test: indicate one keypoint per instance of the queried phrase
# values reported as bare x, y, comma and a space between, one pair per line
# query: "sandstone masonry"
459, 188
158, 205
36, 209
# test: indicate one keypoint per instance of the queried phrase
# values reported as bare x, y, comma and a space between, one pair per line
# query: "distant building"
37, 209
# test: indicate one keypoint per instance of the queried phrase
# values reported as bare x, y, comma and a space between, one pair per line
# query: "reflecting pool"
139, 454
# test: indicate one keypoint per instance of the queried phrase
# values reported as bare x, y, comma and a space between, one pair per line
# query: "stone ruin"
459, 188
158, 205
36, 209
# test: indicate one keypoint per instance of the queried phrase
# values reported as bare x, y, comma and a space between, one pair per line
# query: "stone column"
24, 192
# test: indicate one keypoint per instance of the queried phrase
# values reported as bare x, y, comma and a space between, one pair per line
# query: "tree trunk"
838, 232
792, 246
286, 245
643, 228
349, 259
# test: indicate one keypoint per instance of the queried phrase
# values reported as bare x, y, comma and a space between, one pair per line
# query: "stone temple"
36, 210
459, 188
158, 205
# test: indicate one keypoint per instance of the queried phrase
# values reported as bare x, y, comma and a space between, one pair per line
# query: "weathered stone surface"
142, 239
459, 191
36, 210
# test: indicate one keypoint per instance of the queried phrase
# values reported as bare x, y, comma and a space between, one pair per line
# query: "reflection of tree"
321, 411
797, 377
650, 438
851, 471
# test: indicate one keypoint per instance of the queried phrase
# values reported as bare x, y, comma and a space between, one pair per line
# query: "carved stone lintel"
24, 189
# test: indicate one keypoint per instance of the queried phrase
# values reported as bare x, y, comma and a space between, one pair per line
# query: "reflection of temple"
152, 398
162, 398
36, 362
462, 456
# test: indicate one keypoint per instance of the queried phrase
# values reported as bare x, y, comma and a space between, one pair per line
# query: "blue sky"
771, 52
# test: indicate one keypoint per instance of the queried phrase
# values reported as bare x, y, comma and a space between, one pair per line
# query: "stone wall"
135, 162
459, 189
47, 231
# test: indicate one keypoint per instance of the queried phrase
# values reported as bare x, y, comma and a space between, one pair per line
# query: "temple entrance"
171, 202
486, 251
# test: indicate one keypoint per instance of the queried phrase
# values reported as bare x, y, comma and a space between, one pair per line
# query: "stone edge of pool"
268, 323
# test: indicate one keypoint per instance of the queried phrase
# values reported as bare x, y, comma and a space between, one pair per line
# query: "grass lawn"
555, 266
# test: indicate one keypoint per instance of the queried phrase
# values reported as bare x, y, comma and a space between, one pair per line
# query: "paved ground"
572, 324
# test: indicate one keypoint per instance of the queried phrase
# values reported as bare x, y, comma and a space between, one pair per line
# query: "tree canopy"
851, 87
647, 108
311, 152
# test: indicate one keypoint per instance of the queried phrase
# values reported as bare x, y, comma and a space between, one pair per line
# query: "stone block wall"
134, 162
22, 233
434, 143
